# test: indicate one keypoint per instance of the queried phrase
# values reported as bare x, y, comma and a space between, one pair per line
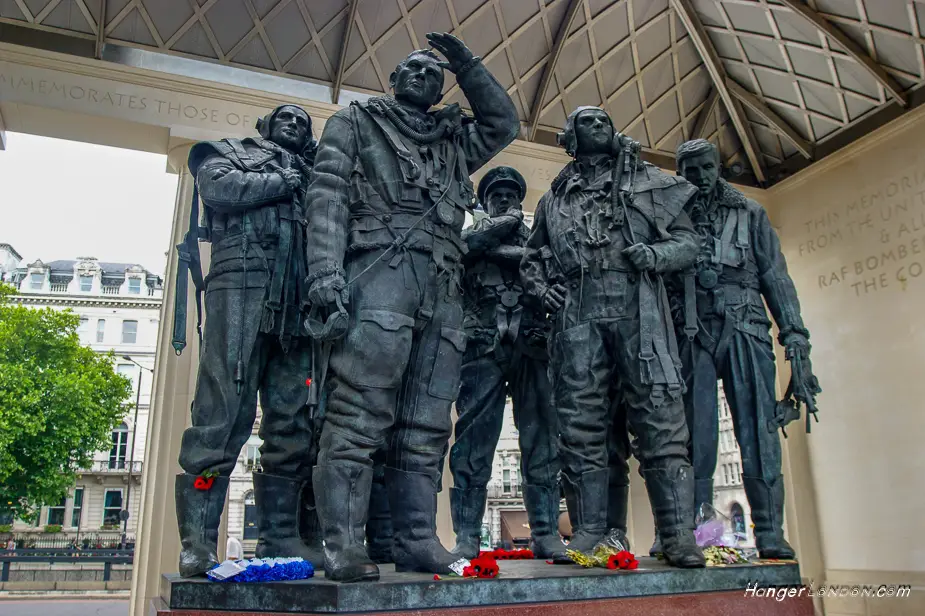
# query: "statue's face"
418, 81
289, 128
702, 171
501, 197
594, 132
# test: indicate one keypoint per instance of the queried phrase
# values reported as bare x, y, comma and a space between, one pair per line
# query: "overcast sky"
66, 199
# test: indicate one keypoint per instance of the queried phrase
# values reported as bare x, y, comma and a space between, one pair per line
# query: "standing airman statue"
603, 235
725, 334
386, 207
506, 354
253, 343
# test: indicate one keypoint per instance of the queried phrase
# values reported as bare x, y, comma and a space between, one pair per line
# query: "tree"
59, 402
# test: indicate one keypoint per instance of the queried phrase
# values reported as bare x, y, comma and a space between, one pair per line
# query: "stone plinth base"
728, 603
521, 589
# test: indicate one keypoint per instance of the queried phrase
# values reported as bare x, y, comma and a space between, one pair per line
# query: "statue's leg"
657, 419
422, 428
222, 420
748, 380
701, 406
582, 369
379, 521
618, 454
286, 431
537, 428
366, 372
480, 408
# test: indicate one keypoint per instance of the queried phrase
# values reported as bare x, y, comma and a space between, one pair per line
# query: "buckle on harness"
645, 367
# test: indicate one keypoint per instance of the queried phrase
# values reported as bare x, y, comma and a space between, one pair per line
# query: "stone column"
2, 134
158, 542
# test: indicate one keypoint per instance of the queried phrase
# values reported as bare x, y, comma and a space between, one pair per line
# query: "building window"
36, 281
56, 513
119, 446
78, 507
250, 516
6, 517
738, 522
82, 327
100, 330
112, 507
134, 286
252, 458
129, 332
726, 474
506, 480
86, 284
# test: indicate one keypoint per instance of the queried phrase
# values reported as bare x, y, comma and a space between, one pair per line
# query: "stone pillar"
2, 134
158, 542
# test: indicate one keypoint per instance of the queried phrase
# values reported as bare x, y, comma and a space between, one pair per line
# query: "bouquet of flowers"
262, 570
604, 556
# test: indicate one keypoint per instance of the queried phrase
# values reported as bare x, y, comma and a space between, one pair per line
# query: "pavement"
64, 607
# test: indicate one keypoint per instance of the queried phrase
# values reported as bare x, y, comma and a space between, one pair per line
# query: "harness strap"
188, 261
690, 305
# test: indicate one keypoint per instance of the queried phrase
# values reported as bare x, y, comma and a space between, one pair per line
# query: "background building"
728, 491
506, 521
119, 307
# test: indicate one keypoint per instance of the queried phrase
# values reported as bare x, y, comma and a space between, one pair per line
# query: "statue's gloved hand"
641, 256
554, 298
515, 212
292, 178
796, 344
453, 49
325, 291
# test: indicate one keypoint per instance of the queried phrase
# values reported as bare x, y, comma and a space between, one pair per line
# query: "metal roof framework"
776, 84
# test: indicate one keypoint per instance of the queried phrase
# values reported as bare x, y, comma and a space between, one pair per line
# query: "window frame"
80, 282
115, 463
106, 493
134, 333
36, 277
252, 457
137, 280
100, 330
77, 507
58, 511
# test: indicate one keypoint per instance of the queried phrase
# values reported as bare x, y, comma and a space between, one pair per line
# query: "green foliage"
6, 528
52, 529
58, 404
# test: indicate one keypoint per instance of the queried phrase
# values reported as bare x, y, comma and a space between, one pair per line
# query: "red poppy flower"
436, 577
308, 382
469, 572
203, 483
613, 562
633, 564
624, 558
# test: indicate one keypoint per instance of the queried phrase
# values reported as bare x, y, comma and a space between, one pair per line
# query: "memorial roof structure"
776, 84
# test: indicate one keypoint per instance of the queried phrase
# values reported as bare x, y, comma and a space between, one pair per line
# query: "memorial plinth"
522, 588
